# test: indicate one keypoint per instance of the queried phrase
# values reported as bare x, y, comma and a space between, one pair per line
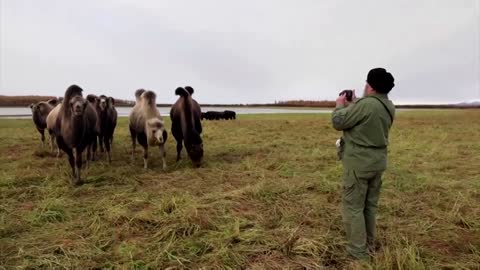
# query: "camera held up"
348, 94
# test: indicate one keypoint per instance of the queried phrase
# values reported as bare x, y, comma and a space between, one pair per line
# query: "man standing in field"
365, 124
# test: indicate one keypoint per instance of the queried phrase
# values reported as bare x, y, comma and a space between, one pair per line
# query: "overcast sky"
241, 51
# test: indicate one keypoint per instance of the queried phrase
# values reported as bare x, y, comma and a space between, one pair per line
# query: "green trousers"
361, 191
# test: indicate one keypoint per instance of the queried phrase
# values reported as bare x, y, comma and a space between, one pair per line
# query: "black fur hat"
380, 80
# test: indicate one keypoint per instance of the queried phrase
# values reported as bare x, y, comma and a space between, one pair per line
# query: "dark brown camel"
108, 122
40, 112
187, 126
75, 128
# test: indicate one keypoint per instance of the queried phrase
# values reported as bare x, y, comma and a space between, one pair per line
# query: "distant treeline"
21, 101
306, 103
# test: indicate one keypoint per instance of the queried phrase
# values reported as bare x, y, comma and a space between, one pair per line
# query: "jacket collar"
384, 96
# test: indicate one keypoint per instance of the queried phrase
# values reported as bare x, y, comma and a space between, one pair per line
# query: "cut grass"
267, 197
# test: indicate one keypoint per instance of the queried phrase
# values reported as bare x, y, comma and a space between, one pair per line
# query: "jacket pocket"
365, 175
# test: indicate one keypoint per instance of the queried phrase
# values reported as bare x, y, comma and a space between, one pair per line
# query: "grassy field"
267, 197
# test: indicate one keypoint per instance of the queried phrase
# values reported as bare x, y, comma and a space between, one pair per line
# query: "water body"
25, 112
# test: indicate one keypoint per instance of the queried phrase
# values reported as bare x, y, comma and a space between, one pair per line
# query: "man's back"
366, 124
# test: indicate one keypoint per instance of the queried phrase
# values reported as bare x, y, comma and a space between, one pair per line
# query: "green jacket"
365, 125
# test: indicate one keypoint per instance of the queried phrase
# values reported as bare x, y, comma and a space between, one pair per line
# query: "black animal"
40, 112
213, 115
111, 104
75, 128
108, 122
229, 115
95, 103
187, 126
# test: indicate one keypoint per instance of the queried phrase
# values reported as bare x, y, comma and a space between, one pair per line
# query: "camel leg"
145, 157
133, 135
78, 165
89, 153
179, 149
58, 143
71, 160
106, 142
101, 140
94, 149
42, 132
52, 138
163, 155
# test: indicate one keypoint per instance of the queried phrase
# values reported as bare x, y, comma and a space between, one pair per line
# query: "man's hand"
342, 100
